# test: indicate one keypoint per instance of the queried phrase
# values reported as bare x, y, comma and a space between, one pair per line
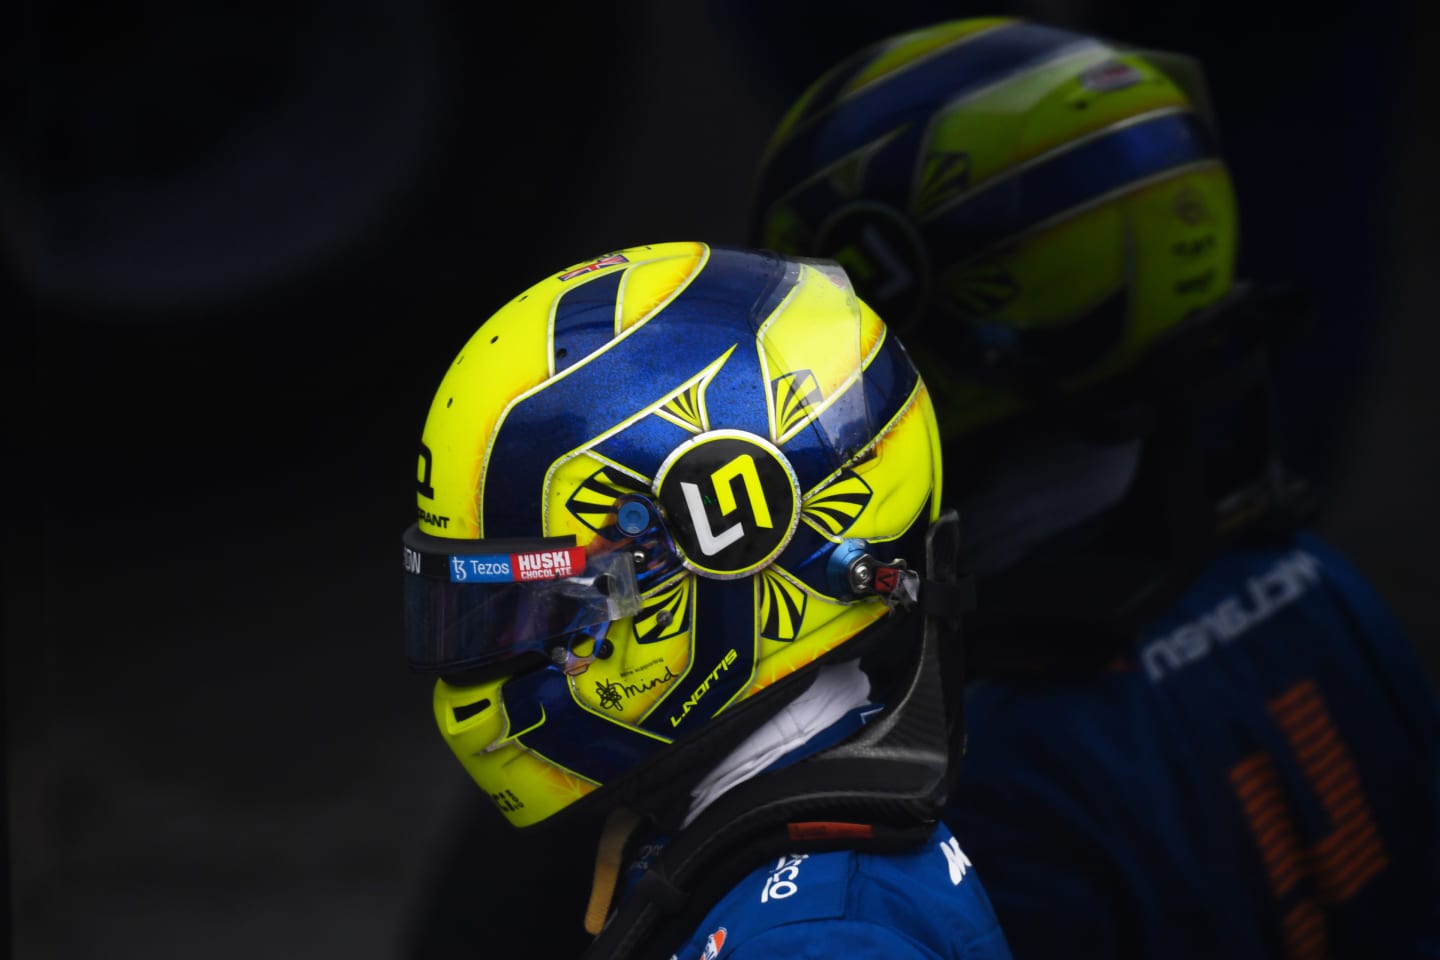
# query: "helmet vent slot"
465, 711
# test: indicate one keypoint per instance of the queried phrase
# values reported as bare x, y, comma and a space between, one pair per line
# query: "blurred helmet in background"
1033, 209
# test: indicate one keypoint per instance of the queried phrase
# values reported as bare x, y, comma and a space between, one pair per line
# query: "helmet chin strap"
880, 790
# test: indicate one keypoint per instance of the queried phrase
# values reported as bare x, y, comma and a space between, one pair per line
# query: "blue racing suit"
1257, 778
924, 904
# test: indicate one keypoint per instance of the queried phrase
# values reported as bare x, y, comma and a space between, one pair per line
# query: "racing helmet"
1031, 208
652, 489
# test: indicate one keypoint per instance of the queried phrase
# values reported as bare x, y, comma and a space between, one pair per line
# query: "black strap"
948, 600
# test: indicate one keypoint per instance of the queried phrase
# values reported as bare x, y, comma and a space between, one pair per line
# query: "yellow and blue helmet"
644, 485
1032, 209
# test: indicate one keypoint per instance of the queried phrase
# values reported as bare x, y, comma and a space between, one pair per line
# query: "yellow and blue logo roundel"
751, 402
1028, 206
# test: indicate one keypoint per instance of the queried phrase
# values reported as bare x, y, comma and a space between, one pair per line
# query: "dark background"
243, 241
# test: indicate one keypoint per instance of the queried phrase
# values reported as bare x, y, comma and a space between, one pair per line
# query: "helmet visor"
476, 603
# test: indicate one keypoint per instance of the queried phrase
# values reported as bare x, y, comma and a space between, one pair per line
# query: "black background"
244, 240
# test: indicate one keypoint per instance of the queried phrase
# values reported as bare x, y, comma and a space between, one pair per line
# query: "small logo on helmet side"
594, 265
548, 564
1110, 75
517, 567
732, 501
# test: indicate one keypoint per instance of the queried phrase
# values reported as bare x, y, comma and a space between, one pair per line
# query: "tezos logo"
732, 500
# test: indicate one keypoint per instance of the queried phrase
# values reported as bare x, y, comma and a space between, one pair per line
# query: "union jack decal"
591, 267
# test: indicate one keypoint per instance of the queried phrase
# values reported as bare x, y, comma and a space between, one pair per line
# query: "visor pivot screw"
861, 574
559, 656
632, 518
639, 558
664, 618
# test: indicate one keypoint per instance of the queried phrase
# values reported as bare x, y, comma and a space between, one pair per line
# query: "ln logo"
743, 467
732, 499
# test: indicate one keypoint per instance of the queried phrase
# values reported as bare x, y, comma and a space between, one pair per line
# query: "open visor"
476, 603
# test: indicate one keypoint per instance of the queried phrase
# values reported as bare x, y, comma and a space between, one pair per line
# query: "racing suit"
1256, 777
927, 903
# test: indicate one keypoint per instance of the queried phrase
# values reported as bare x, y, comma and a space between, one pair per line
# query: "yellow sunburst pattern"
686, 409
943, 177
594, 499
833, 507
782, 606
666, 613
978, 290
795, 394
